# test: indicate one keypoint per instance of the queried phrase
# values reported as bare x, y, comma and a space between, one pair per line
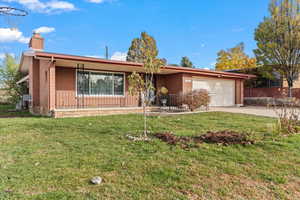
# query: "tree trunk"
290, 92
144, 114
290, 85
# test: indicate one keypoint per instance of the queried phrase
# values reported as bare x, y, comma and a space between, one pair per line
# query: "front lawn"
8, 111
44, 158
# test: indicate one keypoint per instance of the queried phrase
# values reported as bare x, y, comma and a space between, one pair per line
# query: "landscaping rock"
137, 139
96, 180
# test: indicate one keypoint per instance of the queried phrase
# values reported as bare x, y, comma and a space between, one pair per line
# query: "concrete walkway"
251, 110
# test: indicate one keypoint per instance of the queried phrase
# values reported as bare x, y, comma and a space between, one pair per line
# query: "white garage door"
221, 91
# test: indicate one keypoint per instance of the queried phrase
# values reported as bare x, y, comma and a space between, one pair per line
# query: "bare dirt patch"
221, 138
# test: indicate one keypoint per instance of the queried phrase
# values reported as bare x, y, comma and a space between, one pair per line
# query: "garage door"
221, 91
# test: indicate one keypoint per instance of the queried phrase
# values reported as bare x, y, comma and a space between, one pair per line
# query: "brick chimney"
36, 42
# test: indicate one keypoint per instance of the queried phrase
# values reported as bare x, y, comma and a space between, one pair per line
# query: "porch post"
239, 92
52, 90
242, 92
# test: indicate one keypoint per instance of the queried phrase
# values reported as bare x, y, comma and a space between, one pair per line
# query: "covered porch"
62, 83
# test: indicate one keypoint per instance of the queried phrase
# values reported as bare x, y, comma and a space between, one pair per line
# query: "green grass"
44, 158
8, 111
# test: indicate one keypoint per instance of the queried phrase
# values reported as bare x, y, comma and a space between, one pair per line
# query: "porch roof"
65, 60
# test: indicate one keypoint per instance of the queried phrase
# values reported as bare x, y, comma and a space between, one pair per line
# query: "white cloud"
213, 64
44, 29
94, 56
53, 6
63, 5
95, 1
121, 56
12, 35
2, 55
99, 1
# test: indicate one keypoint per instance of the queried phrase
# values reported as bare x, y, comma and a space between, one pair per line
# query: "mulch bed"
220, 137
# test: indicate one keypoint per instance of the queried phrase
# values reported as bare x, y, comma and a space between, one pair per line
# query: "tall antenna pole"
106, 52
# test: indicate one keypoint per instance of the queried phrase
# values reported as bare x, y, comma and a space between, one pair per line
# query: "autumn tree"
278, 39
144, 50
185, 62
234, 58
140, 47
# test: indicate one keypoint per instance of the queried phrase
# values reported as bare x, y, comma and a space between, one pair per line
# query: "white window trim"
94, 95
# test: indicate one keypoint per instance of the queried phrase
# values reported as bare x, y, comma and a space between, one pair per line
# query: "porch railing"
69, 100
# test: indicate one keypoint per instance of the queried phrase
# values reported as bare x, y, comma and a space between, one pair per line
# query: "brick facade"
173, 82
53, 89
183, 82
34, 83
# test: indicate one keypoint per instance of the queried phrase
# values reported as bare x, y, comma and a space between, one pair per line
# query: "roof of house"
178, 69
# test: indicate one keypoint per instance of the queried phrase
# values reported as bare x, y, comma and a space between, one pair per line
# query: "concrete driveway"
251, 110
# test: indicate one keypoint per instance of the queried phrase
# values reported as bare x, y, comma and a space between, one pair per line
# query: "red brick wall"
65, 79
239, 93
187, 83
52, 87
181, 82
44, 87
35, 78
34, 86
172, 82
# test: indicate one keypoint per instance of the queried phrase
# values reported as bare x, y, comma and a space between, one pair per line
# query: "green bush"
9, 76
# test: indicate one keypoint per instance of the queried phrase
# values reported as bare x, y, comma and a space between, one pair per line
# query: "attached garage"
221, 91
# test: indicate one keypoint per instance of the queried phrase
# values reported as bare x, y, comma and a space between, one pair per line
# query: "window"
100, 83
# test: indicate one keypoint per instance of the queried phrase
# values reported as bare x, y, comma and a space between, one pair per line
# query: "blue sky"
194, 28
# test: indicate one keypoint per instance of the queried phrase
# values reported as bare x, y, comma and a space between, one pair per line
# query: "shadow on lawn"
8, 111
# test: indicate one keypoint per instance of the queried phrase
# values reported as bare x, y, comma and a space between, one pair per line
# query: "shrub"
9, 76
196, 99
288, 114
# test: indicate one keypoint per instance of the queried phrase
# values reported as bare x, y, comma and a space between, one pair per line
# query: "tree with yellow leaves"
234, 58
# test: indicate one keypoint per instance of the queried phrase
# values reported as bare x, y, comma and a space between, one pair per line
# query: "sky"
194, 28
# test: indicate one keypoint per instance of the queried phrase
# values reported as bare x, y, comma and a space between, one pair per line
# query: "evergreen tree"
185, 62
